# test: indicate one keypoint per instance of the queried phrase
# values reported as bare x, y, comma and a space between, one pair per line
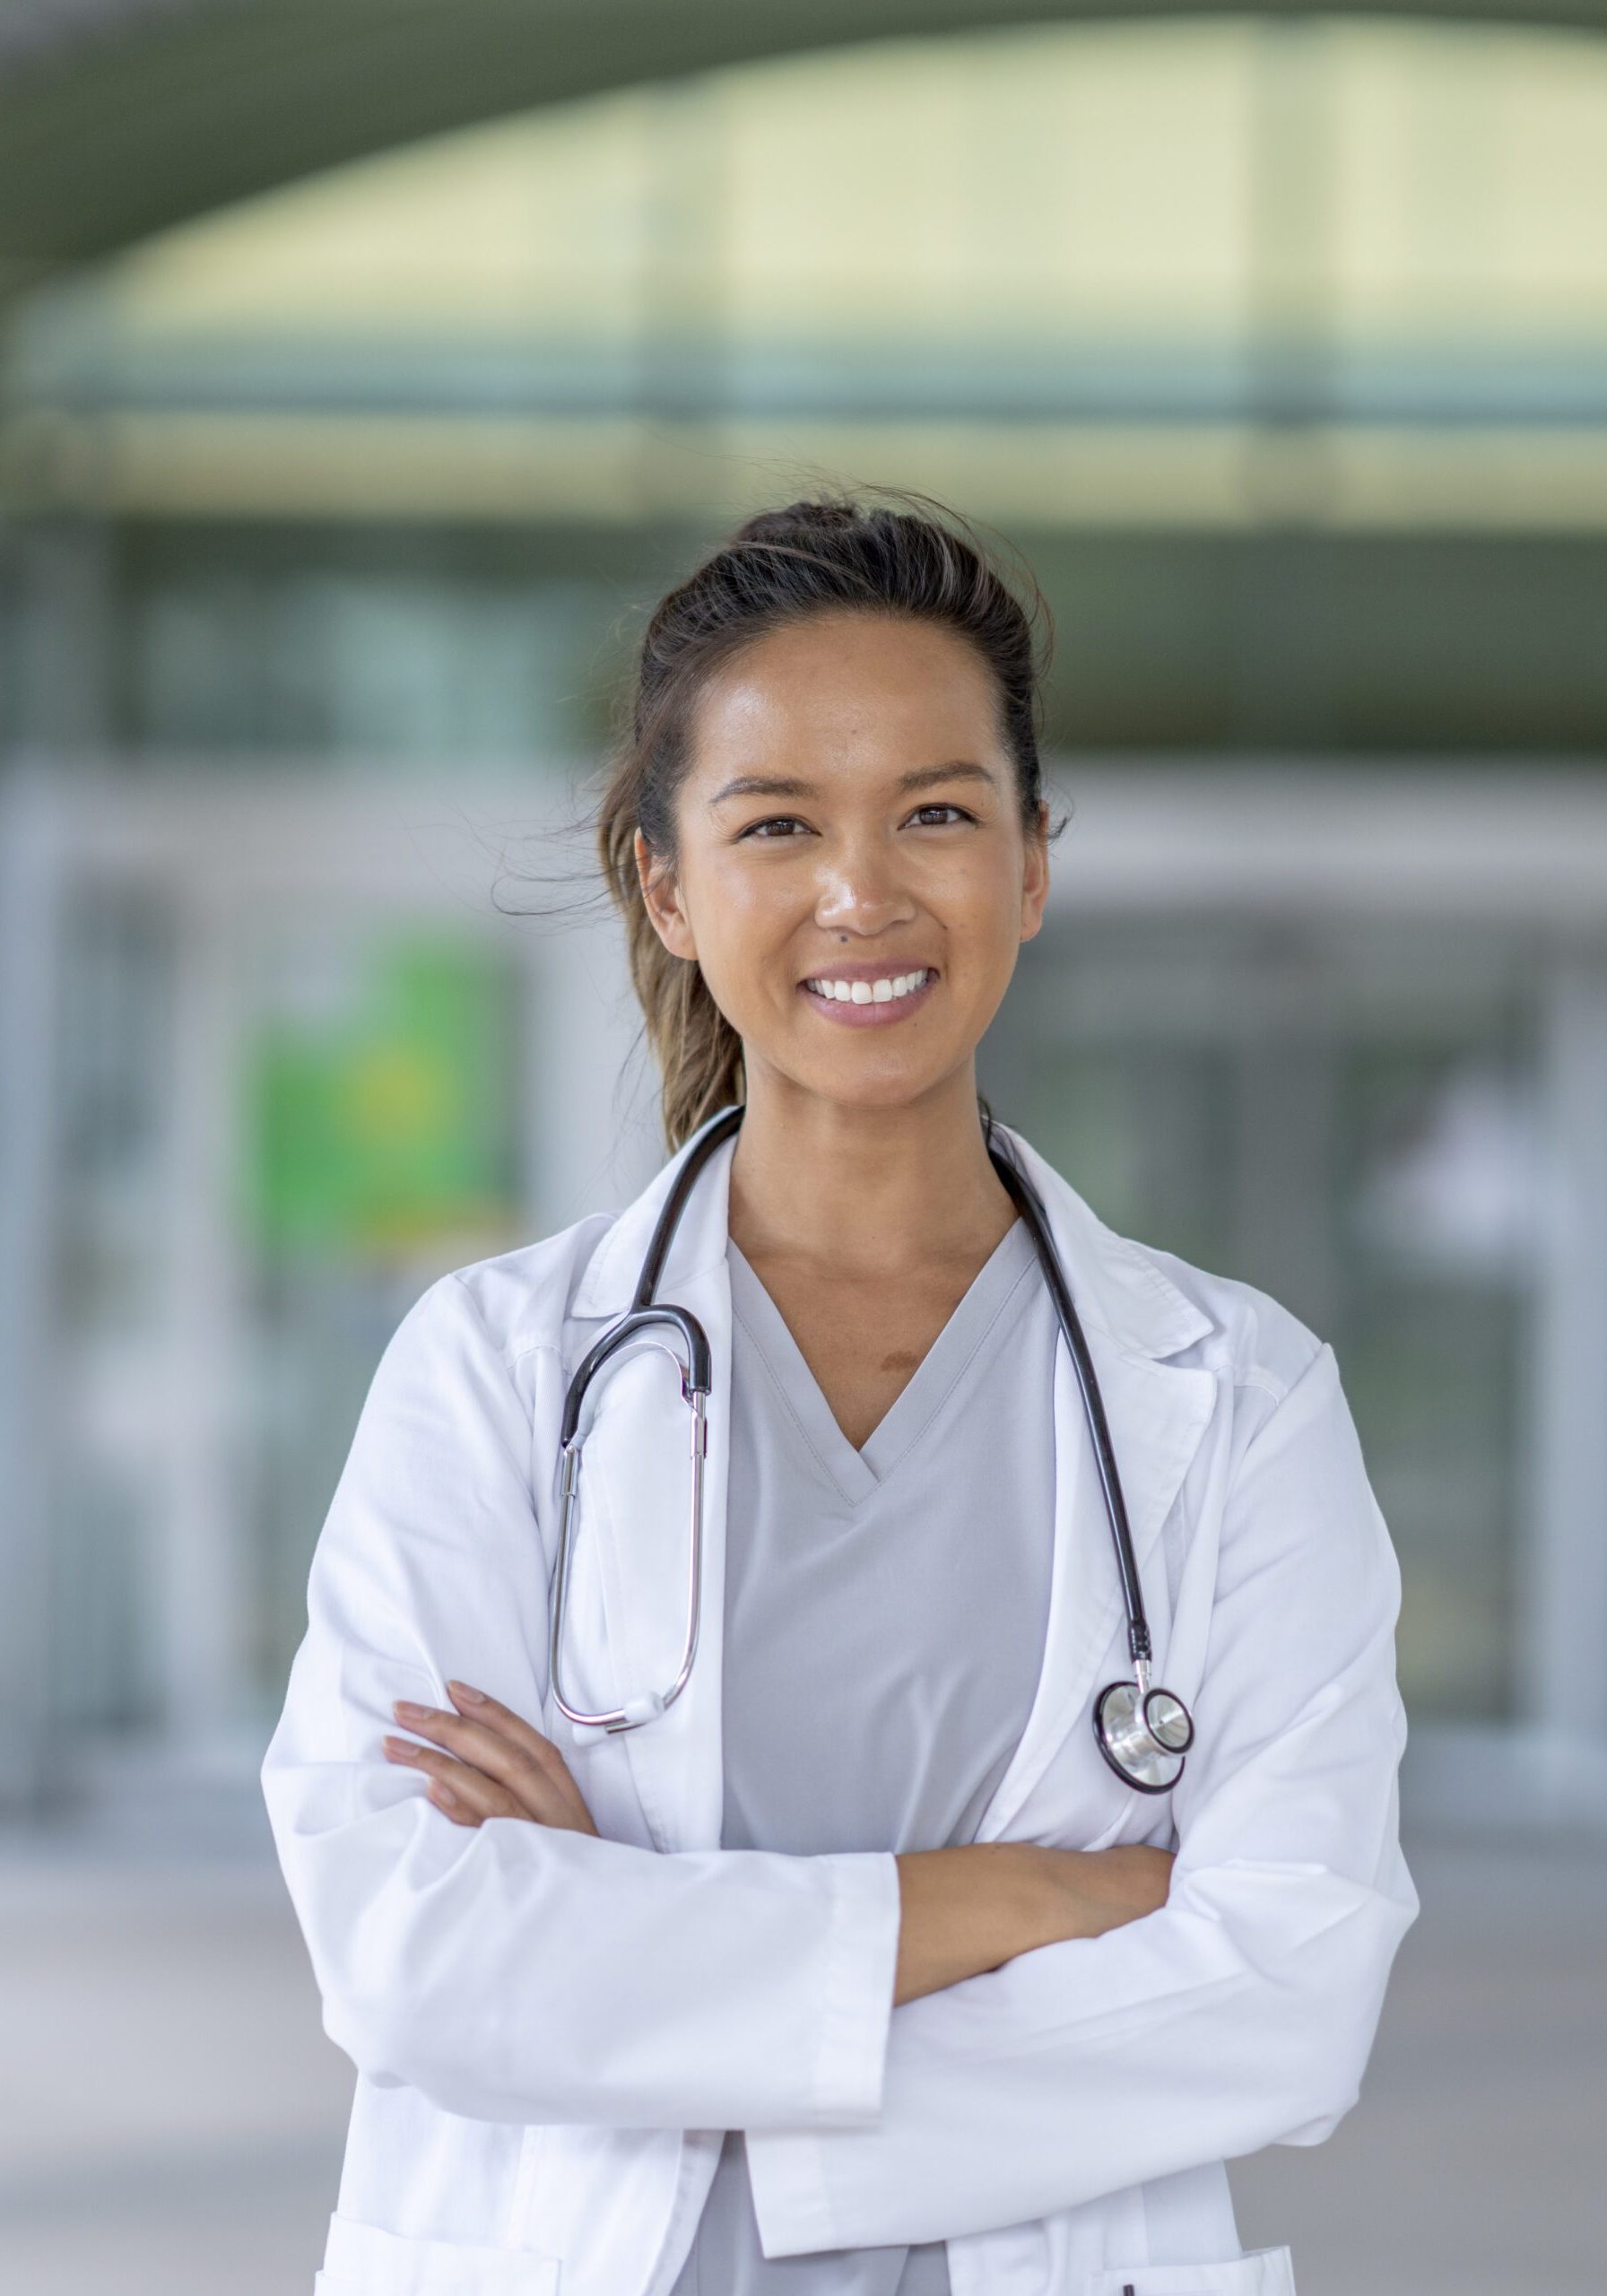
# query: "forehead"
847, 687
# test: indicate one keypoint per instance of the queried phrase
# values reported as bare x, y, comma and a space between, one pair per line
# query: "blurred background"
366, 372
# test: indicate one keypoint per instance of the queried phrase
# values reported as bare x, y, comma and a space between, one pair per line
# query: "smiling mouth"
893, 989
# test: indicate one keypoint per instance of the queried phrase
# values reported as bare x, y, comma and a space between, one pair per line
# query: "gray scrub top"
885, 1619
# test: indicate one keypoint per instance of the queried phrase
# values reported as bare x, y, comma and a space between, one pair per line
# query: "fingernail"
443, 1793
407, 1711
467, 1691
400, 1750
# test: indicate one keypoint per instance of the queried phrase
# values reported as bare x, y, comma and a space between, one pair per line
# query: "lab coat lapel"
1133, 1317
636, 1504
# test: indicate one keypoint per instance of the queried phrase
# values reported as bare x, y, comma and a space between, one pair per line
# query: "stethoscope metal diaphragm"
1144, 1732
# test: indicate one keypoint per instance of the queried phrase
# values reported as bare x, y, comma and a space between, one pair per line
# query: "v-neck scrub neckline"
884, 1613
854, 1474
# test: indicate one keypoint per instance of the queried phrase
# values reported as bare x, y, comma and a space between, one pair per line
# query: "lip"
846, 1015
873, 969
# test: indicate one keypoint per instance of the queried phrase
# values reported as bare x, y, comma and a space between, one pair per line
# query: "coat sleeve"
515, 1971
1242, 2012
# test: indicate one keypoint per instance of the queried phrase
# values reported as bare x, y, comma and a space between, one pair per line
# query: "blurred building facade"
1278, 348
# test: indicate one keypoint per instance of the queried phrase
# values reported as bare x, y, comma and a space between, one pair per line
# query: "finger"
534, 1791
467, 1793
529, 1765
479, 1706
483, 1708
448, 1802
473, 1740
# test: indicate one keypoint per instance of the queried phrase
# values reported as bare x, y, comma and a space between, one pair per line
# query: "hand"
497, 1765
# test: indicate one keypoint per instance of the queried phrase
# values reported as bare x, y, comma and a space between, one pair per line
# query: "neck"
863, 1191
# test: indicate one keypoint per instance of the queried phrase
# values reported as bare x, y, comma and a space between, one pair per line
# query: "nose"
860, 889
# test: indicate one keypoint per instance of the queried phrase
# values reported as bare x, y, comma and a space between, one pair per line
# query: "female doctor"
853, 1961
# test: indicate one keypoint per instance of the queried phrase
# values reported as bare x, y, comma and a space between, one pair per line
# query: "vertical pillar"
1287, 1122
1565, 1630
200, 1563
31, 866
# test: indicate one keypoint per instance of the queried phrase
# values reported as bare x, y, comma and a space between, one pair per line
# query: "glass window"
1348, 1123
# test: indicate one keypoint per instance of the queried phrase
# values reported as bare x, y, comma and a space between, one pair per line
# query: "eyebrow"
919, 777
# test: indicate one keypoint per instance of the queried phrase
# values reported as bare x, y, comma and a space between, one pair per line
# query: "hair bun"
798, 518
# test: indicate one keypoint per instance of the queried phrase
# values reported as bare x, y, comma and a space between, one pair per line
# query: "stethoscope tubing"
631, 1332
1093, 1404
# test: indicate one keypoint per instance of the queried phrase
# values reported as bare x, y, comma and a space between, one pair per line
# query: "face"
851, 817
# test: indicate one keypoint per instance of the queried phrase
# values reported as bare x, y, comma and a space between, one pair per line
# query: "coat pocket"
1261, 2272
363, 2260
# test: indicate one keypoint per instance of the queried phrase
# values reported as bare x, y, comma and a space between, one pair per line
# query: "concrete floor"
171, 2116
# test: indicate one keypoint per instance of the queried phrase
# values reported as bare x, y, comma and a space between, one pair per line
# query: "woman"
857, 1969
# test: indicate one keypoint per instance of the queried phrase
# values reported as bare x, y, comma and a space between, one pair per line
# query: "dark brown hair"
832, 553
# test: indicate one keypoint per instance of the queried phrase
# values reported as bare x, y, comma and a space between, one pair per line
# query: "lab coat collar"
1116, 1284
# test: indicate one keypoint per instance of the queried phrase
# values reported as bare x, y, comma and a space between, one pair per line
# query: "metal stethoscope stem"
695, 1375
650, 1704
1142, 1731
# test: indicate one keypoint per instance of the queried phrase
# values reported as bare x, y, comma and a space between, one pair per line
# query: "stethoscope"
1142, 1731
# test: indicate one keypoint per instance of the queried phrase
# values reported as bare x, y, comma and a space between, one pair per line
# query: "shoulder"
1279, 1394
1254, 1338
517, 1302
1155, 1303
1288, 1452
1257, 1349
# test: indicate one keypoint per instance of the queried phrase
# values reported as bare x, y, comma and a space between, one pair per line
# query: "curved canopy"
119, 117
1080, 275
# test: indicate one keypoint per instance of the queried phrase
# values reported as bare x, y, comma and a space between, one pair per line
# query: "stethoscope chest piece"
1144, 1734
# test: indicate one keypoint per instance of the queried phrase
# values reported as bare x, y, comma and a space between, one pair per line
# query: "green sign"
386, 1116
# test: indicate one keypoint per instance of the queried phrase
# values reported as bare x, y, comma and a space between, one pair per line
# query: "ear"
1035, 874
661, 898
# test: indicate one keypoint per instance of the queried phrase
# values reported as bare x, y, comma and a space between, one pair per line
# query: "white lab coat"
551, 2030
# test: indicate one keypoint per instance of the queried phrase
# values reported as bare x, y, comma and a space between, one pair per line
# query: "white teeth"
869, 992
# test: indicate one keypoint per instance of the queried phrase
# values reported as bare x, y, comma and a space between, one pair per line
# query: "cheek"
978, 904
741, 925
744, 906
746, 919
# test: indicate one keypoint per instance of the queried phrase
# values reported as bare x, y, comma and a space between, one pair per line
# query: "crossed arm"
961, 1910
